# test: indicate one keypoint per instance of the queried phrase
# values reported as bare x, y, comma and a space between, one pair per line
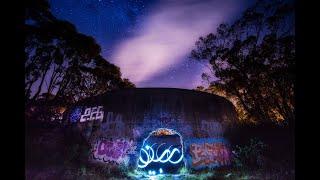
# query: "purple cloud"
168, 35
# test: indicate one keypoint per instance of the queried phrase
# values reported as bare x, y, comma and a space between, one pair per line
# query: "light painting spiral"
152, 156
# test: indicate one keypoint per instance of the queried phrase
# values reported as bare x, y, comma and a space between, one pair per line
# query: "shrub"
250, 155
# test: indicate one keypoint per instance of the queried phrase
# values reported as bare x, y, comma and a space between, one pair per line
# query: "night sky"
150, 40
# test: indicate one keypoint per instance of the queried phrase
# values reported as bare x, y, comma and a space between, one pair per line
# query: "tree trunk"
52, 81
29, 85
64, 83
41, 83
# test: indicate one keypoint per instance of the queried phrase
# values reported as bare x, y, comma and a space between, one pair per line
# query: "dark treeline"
253, 60
62, 65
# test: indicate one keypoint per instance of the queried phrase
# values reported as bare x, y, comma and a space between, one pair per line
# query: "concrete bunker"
126, 126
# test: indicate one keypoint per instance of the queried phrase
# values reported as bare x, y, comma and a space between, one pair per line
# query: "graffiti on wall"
92, 113
208, 152
110, 123
75, 114
113, 151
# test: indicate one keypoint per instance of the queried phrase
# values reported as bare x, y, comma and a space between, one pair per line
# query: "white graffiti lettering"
94, 113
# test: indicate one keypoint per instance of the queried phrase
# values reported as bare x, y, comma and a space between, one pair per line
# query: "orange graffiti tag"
209, 153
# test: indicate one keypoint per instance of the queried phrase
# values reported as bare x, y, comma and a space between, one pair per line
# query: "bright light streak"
166, 156
160, 171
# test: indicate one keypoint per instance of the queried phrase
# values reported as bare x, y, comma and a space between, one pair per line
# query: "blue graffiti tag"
75, 115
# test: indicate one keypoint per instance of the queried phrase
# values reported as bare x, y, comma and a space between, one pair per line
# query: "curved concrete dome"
194, 113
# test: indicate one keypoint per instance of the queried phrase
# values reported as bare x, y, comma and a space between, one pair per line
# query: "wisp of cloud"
168, 35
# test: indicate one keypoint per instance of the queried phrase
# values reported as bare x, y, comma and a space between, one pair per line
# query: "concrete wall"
127, 116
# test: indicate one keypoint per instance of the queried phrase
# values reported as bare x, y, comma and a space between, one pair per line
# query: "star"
149, 40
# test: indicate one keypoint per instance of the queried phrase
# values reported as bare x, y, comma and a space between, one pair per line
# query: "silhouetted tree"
254, 60
63, 62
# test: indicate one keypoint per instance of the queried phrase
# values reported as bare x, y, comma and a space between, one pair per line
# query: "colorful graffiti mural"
117, 151
208, 152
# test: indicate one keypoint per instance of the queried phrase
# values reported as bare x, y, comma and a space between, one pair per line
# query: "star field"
150, 40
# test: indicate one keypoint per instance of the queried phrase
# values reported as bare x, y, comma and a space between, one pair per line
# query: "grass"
95, 172
232, 174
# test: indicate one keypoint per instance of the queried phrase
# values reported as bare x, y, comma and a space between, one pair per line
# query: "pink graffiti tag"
206, 154
112, 150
